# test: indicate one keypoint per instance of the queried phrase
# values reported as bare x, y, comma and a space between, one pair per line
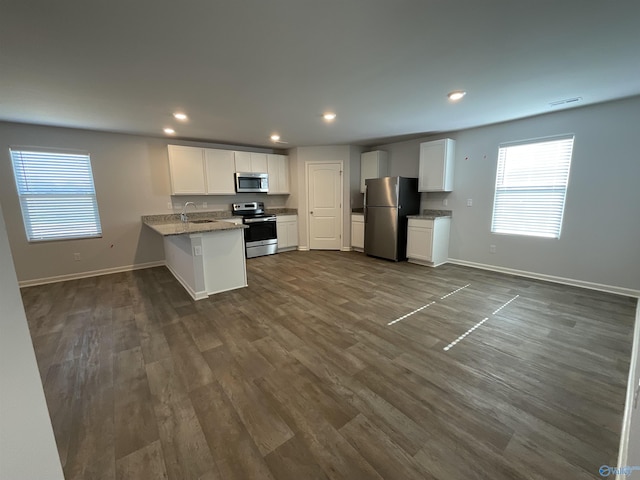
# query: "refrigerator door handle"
365, 203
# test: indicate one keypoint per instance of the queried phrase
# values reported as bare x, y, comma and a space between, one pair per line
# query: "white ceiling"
244, 69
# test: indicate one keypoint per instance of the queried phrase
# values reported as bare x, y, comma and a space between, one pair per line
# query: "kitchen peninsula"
206, 255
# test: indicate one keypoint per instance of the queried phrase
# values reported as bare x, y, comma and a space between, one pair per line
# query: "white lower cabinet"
287, 231
357, 232
428, 241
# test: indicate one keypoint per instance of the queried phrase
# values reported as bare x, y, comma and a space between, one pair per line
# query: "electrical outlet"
204, 204
197, 250
169, 205
492, 249
445, 202
76, 257
469, 202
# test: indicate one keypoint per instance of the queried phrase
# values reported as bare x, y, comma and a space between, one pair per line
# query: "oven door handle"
258, 220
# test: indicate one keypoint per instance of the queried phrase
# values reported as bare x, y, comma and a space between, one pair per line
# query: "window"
531, 185
57, 196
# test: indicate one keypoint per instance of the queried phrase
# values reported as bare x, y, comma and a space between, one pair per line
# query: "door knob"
311, 212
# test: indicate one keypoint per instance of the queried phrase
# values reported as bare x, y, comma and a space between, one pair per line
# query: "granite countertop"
170, 224
180, 228
428, 214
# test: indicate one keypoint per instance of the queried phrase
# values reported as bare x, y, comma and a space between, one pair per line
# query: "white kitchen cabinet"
250, 162
220, 169
436, 166
428, 241
201, 171
287, 232
186, 168
278, 170
373, 165
357, 232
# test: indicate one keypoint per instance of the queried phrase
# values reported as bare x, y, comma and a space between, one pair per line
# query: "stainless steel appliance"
261, 237
252, 182
387, 202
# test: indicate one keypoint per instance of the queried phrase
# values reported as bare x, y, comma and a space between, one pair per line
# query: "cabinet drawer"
420, 223
286, 218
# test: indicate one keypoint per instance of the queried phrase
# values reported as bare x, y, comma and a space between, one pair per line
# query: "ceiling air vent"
566, 101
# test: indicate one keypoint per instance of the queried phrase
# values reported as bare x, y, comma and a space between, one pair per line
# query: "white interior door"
325, 206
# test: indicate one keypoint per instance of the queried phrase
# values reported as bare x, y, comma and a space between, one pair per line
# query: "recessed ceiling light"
275, 137
329, 116
169, 131
456, 95
180, 116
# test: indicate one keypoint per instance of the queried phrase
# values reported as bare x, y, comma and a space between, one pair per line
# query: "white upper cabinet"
186, 166
278, 170
436, 166
251, 162
259, 162
220, 169
201, 171
373, 165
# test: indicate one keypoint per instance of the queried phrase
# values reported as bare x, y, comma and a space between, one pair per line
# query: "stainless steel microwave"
252, 182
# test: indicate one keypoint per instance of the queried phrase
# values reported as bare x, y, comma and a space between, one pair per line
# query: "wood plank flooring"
299, 376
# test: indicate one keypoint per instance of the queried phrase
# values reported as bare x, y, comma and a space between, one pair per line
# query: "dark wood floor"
300, 376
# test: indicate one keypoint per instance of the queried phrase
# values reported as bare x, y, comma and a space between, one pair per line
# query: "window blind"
57, 194
531, 187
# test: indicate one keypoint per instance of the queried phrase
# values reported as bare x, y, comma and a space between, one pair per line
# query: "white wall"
131, 175
356, 199
27, 445
600, 240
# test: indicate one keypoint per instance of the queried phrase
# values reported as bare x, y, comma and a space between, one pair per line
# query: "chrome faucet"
183, 215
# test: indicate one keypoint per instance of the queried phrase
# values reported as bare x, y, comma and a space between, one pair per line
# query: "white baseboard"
303, 248
623, 451
345, 249
93, 273
195, 295
627, 292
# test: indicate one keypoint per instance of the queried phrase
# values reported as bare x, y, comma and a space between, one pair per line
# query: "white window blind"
531, 186
57, 195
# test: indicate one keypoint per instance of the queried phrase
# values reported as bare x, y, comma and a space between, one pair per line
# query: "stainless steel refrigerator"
387, 202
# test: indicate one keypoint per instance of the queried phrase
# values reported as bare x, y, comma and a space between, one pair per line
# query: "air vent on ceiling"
566, 101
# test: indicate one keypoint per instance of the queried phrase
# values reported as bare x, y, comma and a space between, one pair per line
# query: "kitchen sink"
204, 220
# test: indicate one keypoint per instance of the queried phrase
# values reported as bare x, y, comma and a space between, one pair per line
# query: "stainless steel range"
261, 237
